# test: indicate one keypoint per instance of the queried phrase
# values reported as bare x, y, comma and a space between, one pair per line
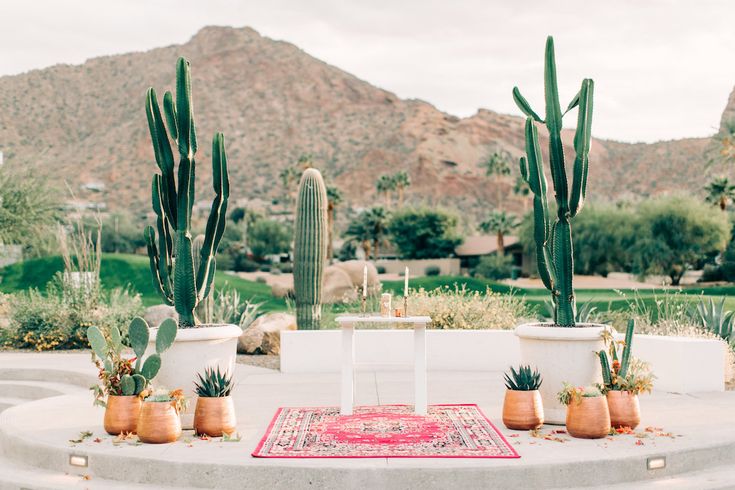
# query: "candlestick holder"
364, 305
405, 306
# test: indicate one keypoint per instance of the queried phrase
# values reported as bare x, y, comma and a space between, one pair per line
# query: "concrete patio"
35, 435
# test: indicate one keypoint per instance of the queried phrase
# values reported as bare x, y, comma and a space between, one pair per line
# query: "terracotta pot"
214, 416
159, 423
589, 418
523, 410
625, 411
121, 414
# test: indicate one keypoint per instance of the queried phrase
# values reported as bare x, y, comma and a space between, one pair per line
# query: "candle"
385, 304
364, 282
405, 283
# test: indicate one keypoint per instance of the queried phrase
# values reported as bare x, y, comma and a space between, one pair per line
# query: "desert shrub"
458, 308
494, 267
432, 270
380, 269
230, 308
261, 280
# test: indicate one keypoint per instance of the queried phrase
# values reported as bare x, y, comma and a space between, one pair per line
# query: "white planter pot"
561, 355
194, 350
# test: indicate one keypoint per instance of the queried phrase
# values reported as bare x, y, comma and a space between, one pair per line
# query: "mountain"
86, 125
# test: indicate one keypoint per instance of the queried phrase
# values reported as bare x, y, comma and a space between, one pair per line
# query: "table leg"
348, 369
420, 400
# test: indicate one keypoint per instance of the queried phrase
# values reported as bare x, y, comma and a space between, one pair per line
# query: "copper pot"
588, 418
625, 411
121, 414
523, 410
214, 416
159, 423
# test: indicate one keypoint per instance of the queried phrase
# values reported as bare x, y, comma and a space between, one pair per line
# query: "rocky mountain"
86, 125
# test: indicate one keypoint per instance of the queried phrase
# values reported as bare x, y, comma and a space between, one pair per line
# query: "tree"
521, 189
289, 177
120, 234
497, 167
500, 223
720, 192
386, 185
269, 237
334, 198
604, 238
245, 218
29, 209
369, 228
675, 234
424, 233
401, 181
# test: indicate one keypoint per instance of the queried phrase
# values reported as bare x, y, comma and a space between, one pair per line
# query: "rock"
154, 315
338, 286
263, 336
354, 269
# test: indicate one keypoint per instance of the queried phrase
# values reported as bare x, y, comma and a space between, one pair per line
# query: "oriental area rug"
387, 431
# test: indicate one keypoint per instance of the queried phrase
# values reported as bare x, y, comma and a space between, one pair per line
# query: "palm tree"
720, 192
289, 177
401, 180
501, 223
334, 198
385, 185
369, 229
358, 231
497, 166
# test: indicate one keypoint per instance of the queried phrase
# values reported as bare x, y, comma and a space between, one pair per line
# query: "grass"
122, 270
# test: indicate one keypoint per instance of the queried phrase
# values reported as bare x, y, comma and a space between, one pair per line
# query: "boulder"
263, 336
354, 269
154, 315
338, 286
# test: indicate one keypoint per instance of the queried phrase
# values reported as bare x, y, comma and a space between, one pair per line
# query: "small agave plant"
215, 411
524, 379
213, 384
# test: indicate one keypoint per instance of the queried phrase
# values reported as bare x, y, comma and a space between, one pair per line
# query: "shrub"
261, 280
230, 308
424, 233
712, 273
380, 269
264, 268
286, 267
269, 237
432, 270
494, 267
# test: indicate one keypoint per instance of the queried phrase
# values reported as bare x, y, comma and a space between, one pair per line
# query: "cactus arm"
169, 109
554, 125
625, 361
166, 335
150, 240
564, 268
97, 342
605, 365
163, 154
574, 103
216, 222
582, 139
184, 281
184, 114
151, 366
524, 106
165, 244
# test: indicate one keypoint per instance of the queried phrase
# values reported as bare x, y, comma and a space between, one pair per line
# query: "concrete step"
67, 376
717, 478
35, 390
14, 476
7, 402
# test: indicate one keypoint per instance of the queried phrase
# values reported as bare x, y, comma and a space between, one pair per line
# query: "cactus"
554, 241
613, 375
177, 281
123, 376
204, 309
310, 248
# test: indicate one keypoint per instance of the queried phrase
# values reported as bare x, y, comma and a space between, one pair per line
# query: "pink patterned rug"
387, 431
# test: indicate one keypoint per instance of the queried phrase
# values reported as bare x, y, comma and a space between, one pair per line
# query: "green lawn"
121, 270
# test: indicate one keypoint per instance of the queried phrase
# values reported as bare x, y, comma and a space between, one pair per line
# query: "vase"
523, 410
588, 418
159, 423
215, 416
121, 414
625, 411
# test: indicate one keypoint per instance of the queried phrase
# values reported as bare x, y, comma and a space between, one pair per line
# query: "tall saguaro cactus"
554, 241
170, 253
311, 236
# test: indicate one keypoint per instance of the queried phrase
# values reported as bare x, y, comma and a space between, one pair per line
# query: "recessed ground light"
78, 460
656, 463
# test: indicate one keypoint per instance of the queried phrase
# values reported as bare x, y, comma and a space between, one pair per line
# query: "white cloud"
662, 68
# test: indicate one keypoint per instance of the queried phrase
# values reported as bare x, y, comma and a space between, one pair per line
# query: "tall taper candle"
364, 282
405, 283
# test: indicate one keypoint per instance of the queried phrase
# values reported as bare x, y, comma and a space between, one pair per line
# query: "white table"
347, 323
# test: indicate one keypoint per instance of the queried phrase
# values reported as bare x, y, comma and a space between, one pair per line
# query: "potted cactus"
123, 378
623, 380
562, 350
522, 407
215, 411
587, 413
160, 421
183, 279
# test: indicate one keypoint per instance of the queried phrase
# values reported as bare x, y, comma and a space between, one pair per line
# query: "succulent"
213, 384
554, 251
713, 317
124, 376
162, 395
620, 371
178, 281
311, 236
569, 393
524, 379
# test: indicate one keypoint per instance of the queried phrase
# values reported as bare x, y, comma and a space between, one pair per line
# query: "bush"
432, 270
711, 273
261, 280
286, 267
380, 269
494, 267
424, 233
269, 237
264, 268
348, 251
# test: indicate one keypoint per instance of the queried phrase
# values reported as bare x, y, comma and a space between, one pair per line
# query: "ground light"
656, 463
78, 460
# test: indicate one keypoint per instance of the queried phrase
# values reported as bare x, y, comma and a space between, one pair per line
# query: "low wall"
417, 268
681, 364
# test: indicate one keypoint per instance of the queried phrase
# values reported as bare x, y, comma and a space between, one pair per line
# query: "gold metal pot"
214, 416
159, 423
588, 418
523, 410
625, 411
121, 414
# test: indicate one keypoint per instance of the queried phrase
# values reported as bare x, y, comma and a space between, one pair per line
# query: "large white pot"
561, 355
193, 351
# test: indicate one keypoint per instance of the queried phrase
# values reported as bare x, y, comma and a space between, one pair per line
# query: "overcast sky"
663, 69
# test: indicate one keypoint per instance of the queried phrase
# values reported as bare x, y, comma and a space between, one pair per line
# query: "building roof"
482, 245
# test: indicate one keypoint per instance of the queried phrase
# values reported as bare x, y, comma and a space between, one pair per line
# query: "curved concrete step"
36, 390
8, 402
72, 377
